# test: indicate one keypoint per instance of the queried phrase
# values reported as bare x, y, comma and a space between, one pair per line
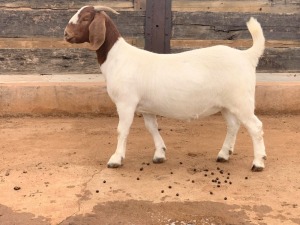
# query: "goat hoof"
158, 160
113, 165
257, 168
222, 160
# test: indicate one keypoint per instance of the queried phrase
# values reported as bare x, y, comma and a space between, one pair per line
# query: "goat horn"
105, 8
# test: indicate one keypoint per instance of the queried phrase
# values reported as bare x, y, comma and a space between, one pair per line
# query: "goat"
187, 85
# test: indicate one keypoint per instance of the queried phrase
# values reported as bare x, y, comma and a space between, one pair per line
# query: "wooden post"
158, 26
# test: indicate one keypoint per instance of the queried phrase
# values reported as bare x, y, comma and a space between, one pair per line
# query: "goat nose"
66, 34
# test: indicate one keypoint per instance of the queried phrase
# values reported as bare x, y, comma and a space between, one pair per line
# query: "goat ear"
97, 32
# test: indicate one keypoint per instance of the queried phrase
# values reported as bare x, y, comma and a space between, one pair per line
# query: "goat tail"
257, 49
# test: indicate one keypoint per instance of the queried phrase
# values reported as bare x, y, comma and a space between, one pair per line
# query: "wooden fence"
31, 32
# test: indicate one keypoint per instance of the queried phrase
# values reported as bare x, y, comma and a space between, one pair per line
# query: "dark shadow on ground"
147, 213
10, 217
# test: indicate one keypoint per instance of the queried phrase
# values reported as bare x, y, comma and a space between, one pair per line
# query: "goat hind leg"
254, 127
233, 126
160, 148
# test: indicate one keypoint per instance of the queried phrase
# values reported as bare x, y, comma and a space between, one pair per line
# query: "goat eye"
86, 19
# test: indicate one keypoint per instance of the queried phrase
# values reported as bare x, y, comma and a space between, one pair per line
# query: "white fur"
187, 85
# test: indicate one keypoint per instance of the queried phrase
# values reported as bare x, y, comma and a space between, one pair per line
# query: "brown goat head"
88, 25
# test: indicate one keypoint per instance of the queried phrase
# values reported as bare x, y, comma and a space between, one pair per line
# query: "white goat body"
186, 85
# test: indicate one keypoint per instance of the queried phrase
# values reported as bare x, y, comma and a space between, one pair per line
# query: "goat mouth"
70, 39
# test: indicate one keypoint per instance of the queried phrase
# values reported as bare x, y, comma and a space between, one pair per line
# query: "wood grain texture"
231, 26
62, 4
258, 6
193, 25
45, 23
48, 61
60, 61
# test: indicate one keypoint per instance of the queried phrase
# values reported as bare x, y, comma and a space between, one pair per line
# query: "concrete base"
86, 94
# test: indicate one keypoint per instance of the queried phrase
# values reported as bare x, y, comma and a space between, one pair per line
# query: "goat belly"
181, 96
178, 109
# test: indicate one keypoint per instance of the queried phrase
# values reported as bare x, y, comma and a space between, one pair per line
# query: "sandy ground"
53, 171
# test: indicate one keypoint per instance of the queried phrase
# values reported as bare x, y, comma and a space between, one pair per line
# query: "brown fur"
111, 36
97, 29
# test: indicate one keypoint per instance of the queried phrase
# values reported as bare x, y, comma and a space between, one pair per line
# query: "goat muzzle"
67, 36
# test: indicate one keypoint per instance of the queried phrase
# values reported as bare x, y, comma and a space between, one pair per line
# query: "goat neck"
111, 36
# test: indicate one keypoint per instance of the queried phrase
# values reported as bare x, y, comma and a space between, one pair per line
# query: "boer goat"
186, 85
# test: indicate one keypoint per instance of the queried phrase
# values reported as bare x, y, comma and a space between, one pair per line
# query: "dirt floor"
53, 171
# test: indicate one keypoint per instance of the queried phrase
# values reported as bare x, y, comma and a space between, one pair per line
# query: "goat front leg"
160, 148
126, 115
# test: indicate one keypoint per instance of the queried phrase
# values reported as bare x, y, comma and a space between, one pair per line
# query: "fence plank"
62, 4
229, 26
48, 61
45, 23
158, 26
193, 25
60, 61
274, 6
